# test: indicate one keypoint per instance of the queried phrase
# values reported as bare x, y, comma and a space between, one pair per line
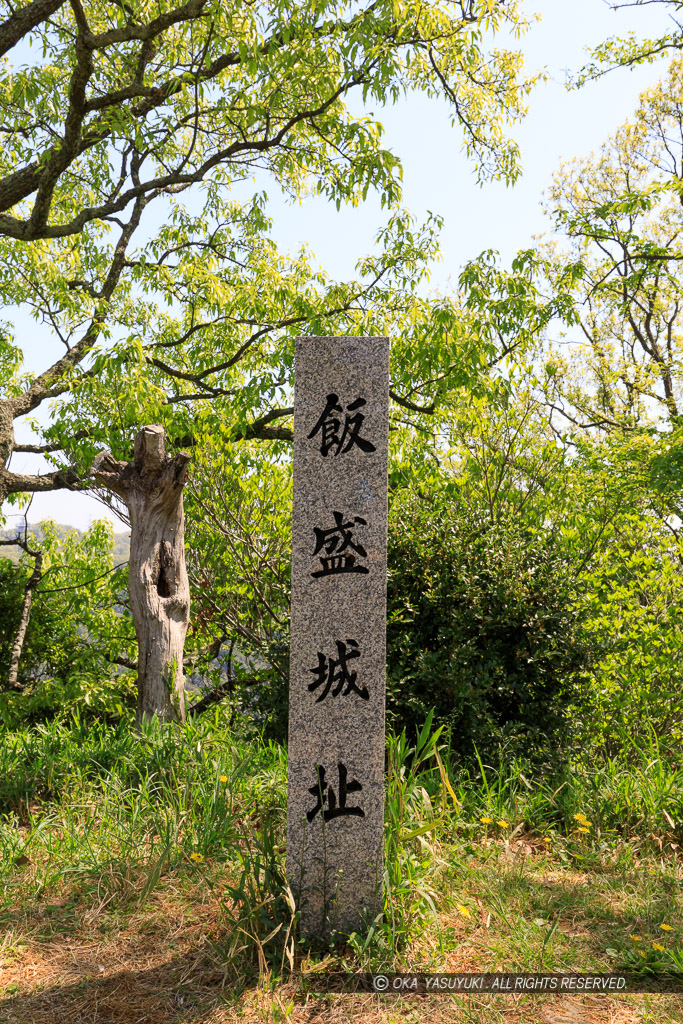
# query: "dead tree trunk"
152, 488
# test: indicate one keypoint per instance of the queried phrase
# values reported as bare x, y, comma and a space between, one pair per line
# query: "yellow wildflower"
503, 823
464, 911
658, 946
223, 778
485, 820
636, 938
197, 857
546, 839
642, 952
580, 817
665, 927
582, 829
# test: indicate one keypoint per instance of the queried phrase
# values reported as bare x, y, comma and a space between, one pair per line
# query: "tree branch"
17, 483
427, 409
53, 446
36, 226
217, 695
23, 20
47, 384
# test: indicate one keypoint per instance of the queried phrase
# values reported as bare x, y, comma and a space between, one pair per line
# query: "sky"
438, 177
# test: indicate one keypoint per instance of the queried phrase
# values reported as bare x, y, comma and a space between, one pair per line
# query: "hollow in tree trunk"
152, 488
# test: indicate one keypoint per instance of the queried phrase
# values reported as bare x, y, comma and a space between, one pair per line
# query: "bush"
78, 630
481, 628
632, 603
40, 652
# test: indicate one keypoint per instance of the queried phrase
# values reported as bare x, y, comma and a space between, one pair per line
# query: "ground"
142, 881
167, 955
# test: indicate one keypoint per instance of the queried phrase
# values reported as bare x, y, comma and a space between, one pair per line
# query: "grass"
142, 880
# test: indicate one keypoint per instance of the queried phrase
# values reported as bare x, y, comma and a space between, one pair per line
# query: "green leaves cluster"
628, 51
131, 232
621, 217
78, 629
481, 627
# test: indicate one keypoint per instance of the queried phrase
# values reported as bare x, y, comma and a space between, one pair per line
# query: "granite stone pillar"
338, 632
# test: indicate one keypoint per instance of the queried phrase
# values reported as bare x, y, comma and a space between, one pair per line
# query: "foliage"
630, 51
534, 590
416, 807
621, 212
103, 830
130, 233
185, 317
503, 569
12, 583
238, 519
633, 601
79, 627
665, 472
166, 771
489, 550
481, 626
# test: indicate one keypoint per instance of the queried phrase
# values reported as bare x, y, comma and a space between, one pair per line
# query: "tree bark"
18, 645
25, 617
152, 488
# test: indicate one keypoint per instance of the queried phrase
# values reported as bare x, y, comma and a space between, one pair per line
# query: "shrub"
78, 633
481, 627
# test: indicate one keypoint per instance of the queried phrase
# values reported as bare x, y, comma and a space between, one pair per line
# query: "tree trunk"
18, 645
152, 487
25, 617
6, 446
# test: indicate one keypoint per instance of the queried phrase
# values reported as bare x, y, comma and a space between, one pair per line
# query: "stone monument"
335, 805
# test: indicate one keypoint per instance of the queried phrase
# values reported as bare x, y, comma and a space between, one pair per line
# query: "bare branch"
17, 483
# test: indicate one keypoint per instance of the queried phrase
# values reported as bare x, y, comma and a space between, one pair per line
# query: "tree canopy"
621, 212
128, 228
136, 231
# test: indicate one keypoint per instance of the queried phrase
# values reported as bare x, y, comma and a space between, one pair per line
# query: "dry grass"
67, 963
144, 891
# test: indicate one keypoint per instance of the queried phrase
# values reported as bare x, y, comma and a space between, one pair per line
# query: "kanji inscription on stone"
335, 805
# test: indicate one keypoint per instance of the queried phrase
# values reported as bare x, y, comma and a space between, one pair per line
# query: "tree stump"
152, 488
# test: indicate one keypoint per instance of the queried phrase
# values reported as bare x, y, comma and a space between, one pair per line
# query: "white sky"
437, 176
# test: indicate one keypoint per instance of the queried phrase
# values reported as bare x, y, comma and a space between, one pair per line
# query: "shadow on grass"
183, 988
146, 981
